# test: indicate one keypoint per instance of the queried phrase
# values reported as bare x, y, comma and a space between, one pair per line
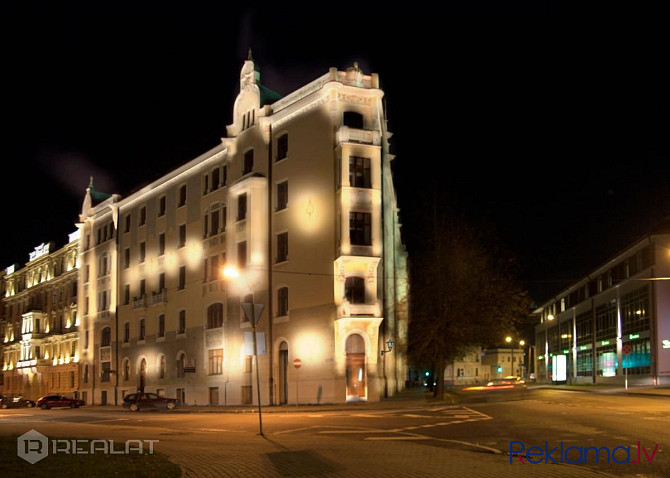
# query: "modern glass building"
614, 324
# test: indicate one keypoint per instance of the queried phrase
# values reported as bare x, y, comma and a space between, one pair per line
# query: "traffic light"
499, 369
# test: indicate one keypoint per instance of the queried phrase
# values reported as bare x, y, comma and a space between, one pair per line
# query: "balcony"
353, 135
159, 297
139, 302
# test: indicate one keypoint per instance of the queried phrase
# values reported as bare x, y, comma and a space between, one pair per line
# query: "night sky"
550, 120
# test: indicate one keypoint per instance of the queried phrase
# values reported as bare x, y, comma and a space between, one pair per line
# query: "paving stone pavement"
304, 455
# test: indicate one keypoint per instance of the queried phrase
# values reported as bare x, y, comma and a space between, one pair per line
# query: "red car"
59, 401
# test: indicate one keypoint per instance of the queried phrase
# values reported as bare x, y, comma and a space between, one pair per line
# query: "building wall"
610, 326
39, 327
337, 338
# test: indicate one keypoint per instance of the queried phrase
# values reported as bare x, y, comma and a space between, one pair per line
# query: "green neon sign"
605, 342
634, 336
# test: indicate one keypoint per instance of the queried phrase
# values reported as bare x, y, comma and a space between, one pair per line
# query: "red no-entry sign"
297, 363
626, 349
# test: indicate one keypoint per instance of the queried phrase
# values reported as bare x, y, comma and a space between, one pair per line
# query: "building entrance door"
283, 373
356, 376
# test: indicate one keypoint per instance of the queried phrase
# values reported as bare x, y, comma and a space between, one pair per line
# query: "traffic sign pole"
626, 350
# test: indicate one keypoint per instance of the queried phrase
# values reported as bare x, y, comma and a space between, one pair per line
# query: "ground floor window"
606, 360
639, 360
585, 363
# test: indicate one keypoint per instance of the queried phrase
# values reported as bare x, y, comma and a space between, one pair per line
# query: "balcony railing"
159, 297
353, 135
139, 302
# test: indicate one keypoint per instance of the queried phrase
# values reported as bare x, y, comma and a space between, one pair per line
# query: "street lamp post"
253, 312
513, 371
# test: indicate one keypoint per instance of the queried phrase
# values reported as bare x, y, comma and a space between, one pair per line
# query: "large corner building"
298, 202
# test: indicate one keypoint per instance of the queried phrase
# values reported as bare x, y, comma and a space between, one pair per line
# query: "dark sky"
550, 118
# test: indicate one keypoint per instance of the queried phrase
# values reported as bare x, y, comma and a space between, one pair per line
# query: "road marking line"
399, 438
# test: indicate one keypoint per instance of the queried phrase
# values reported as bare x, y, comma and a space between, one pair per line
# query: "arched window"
161, 366
215, 316
126, 369
106, 337
354, 290
181, 363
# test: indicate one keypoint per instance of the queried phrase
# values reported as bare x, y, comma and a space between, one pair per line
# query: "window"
282, 147
182, 196
242, 254
143, 251
214, 263
215, 365
354, 290
106, 337
215, 316
161, 325
87, 274
242, 206
181, 363
352, 119
360, 228
141, 333
181, 324
126, 369
181, 242
105, 372
126, 332
282, 247
161, 244
205, 189
282, 301
127, 224
359, 172
248, 162
126, 294
143, 288
224, 180
104, 265
162, 205
182, 278
161, 366
126, 258
215, 219
216, 178
161, 282
143, 215
282, 195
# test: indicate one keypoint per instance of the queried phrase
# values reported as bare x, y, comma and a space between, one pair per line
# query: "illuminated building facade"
614, 324
39, 324
299, 198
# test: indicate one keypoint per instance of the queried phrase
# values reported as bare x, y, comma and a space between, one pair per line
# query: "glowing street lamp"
508, 339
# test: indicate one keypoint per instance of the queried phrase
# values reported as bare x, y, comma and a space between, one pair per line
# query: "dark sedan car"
137, 401
59, 401
15, 402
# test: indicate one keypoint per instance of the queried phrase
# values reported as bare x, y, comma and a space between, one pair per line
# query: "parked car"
137, 401
59, 401
15, 402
